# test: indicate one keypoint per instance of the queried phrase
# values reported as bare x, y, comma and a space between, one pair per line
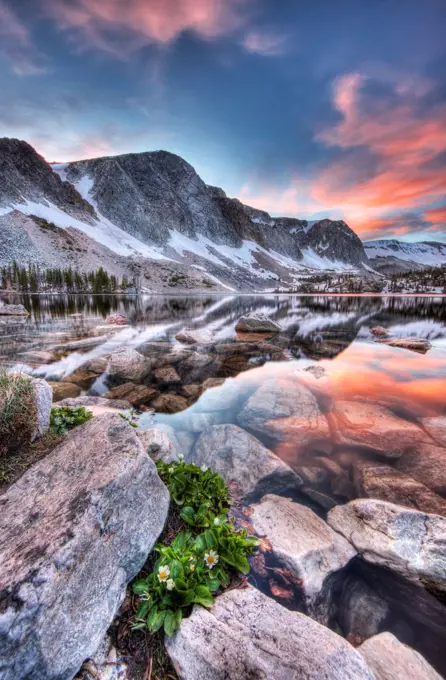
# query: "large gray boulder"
285, 409
363, 423
301, 541
247, 636
242, 460
257, 323
402, 539
376, 480
128, 364
389, 659
74, 530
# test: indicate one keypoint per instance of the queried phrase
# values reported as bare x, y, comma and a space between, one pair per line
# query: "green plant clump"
64, 418
201, 559
17, 411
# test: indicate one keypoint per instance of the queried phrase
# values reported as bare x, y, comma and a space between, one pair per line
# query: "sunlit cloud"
121, 28
388, 166
265, 44
17, 46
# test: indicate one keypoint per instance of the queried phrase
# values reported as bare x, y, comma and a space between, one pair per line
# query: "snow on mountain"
426, 253
154, 206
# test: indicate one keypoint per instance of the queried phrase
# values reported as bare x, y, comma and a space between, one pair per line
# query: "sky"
321, 108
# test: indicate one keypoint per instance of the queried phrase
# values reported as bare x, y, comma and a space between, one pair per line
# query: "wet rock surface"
301, 541
136, 394
286, 409
248, 635
75, 529
128, 364
257, 323
404, 540
427, 464
361, 423
376, 480
389, 659
243, 460
64, 390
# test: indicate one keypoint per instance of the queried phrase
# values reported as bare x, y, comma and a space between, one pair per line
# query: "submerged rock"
170, 403
301, 541
376, 480
134, 393
193, 337
389, 659
257, 323
404, 540
436, 427
286, 409
167, 375
74, 530
361, 423
64, 390
247, 636
241, 459
427, 464
128, 364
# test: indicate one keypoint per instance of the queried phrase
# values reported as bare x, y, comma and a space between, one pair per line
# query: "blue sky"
301, 108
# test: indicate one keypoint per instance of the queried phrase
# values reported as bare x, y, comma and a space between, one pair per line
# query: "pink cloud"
141, 22
265, 44
402, 141
17, 45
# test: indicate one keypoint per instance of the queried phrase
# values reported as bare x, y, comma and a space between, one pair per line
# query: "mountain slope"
391, 255
154, 206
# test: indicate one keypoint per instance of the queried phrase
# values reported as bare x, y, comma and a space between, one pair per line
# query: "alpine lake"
361, 387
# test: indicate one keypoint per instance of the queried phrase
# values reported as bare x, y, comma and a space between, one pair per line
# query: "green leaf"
213, 584
143, 609
158, 622
176, 570
200, 543
140, 587
203, 596
170, 623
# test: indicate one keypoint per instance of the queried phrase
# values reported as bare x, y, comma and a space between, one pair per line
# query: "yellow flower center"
211, 560
163, 575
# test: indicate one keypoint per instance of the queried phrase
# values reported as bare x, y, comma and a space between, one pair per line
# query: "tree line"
420, 281
32, 279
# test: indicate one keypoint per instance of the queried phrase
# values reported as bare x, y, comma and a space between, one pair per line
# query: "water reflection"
334, 400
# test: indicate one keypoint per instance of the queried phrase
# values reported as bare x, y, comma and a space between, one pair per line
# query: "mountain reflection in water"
325, 346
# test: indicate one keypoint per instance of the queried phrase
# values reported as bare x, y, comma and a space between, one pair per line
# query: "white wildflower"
217, 521
211, 559
170, 584
163, 574
204, 468
180, 456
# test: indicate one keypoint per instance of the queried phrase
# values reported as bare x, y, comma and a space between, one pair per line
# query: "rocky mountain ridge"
153, 206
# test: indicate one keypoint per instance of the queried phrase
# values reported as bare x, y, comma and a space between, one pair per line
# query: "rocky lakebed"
326, 419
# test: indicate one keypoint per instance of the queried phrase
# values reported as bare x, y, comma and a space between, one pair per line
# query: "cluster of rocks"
79, 524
